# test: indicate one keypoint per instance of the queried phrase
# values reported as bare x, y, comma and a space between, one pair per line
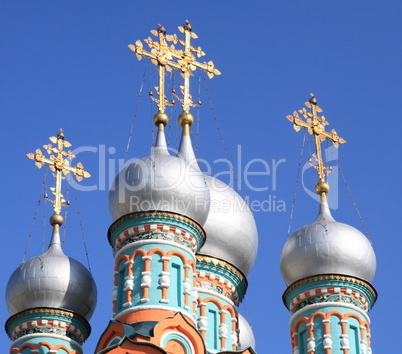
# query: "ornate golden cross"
316, 126
161, 54
167, 57
188, 63
58, 162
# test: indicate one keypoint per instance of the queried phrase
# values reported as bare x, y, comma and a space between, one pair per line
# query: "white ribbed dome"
230, 227
52, 280
160, 182
327, 247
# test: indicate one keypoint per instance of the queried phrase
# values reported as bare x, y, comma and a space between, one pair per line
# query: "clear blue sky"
66, 64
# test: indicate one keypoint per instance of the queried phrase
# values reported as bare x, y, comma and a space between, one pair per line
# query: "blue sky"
66, 64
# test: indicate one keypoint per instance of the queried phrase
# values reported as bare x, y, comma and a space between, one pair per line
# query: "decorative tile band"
48, 321
219, 276
207, 285
176, 218
156, 225
50, 329
174, 234
329, 277
330, 288
334, 294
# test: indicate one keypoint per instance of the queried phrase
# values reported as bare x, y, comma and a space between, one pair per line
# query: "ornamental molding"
49, 335
221, 263
164, 214
138, 244
221, 274
327, 304
133, 234
347, 285
48, 321
216, 290
329, 294
331, 277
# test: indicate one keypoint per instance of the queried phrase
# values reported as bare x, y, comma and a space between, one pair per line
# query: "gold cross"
167, 57
161, 54
60, 165
188, 63
316, 126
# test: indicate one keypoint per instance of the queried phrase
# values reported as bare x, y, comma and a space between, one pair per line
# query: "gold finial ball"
56, 219
161, 118
186, 118
322, 187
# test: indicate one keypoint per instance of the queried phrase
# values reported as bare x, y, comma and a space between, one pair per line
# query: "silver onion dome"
52, 280
246, 335
160, 182
327, 247
230, 228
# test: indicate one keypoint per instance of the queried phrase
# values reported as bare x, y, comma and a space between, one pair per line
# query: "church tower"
51, 297
180, 265
328, 268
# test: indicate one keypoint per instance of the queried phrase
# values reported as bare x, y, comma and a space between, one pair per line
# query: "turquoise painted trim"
328, 283
239, 283
150, 246
137, 219
49, 314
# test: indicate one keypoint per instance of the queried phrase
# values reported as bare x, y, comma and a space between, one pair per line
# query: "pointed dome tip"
324, 212
56, 220
322, 189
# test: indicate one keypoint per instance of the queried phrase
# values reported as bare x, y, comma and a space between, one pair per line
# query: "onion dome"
52, 280
246, 336
327, 247
160, 182
230, 228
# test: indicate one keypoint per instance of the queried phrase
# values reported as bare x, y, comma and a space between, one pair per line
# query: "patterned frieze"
48, 321
329, 288
220, 278
161, 226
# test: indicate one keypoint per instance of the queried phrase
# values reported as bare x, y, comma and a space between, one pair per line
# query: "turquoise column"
154, 264
220, 288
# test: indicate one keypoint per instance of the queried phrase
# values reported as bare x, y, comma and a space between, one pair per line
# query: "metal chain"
246, 313
352, 199
42, 195
82, 230
221, 138
297, 182
44, 220
135, 115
